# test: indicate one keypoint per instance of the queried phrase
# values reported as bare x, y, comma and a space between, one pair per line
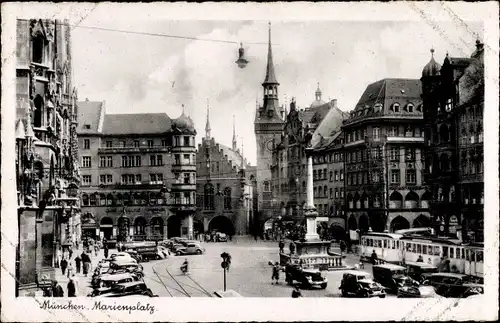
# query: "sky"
142, 73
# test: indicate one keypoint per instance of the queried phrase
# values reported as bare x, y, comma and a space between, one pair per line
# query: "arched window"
209, 197
409, 107
119, 199
126, 199
109, 200
227, 198
102, 200
140, 228
85, 199
395, 200
93, 199
267, 187
395, 107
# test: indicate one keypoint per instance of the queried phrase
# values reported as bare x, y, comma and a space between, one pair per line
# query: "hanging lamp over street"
242, 61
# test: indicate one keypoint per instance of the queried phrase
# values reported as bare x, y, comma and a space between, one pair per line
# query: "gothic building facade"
268, 126
453, 97
225, 187
138, 174
47, 164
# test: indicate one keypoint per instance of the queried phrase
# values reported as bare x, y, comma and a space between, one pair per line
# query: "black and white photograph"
161, 154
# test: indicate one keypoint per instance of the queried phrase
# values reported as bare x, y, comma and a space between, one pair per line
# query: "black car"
307, 278
130, 289
360, 284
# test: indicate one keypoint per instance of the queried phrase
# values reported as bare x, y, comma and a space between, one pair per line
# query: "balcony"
122, 150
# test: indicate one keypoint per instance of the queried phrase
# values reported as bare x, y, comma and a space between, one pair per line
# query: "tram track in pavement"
184, 284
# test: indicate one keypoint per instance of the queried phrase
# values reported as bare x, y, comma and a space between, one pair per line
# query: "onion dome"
432, 68
183, 123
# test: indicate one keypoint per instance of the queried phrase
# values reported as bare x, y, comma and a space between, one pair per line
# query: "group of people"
276, 268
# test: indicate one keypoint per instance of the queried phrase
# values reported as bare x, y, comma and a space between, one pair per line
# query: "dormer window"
377, 107
420, 108
87, 126
395, 107
409, 107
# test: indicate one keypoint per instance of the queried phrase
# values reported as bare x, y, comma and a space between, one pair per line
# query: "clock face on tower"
270, 145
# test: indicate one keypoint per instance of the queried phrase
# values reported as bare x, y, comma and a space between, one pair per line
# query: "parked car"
360, 284
454, 285
220, 237
122, 256
417, 292
190, 249
109, 280
307, 278
420, 270
130, 289
166, 243
162, 252
392, 277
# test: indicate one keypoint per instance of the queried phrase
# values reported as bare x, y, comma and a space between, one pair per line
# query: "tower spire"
242, 155
234, 135
270, 77
207, 126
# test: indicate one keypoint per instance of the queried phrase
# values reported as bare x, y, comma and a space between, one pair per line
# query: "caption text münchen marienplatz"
98, 305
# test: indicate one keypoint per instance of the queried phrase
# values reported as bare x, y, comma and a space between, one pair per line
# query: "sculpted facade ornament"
32, 81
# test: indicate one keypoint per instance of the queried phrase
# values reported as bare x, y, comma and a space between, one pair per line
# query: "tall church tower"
268, 125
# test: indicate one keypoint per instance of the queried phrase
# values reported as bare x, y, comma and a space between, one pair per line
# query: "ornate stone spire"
318, 93
207, 126
234, 135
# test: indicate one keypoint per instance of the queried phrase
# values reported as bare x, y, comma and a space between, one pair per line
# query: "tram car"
411, 244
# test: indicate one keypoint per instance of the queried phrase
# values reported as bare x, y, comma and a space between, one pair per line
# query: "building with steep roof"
47, 162
225, 187
138, 174
383, 143
315, 125
268, 126
454, 101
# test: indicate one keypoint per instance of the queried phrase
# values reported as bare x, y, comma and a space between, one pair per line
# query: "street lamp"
226, 261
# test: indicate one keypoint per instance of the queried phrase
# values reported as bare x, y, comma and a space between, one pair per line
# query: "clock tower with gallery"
269, 123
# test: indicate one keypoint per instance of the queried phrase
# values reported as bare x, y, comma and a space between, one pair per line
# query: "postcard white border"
259, 309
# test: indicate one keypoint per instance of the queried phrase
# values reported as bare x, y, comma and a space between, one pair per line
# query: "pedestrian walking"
70, 251
86, 263
106, 251
281, 245
276, 273
374, 257
96, 249
71, 287
78, 263
342, 246
296, 293
70, 269
64, 265
292, 247
57, 290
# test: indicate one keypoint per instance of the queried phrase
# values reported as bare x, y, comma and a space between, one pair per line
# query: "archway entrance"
399, 223
364, 224
174, 226
123, 228
106, 228
221, 224
422, 221
140, 229
157, 228
337, 232
352, 224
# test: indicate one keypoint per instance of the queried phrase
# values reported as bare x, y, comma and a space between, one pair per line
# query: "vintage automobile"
420, 270
109, 280
307, 278
136, 288
162, 252
454, 285
122, 256
417, 292
166, 243
392, 277
360, 284
191, 248
220, 237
